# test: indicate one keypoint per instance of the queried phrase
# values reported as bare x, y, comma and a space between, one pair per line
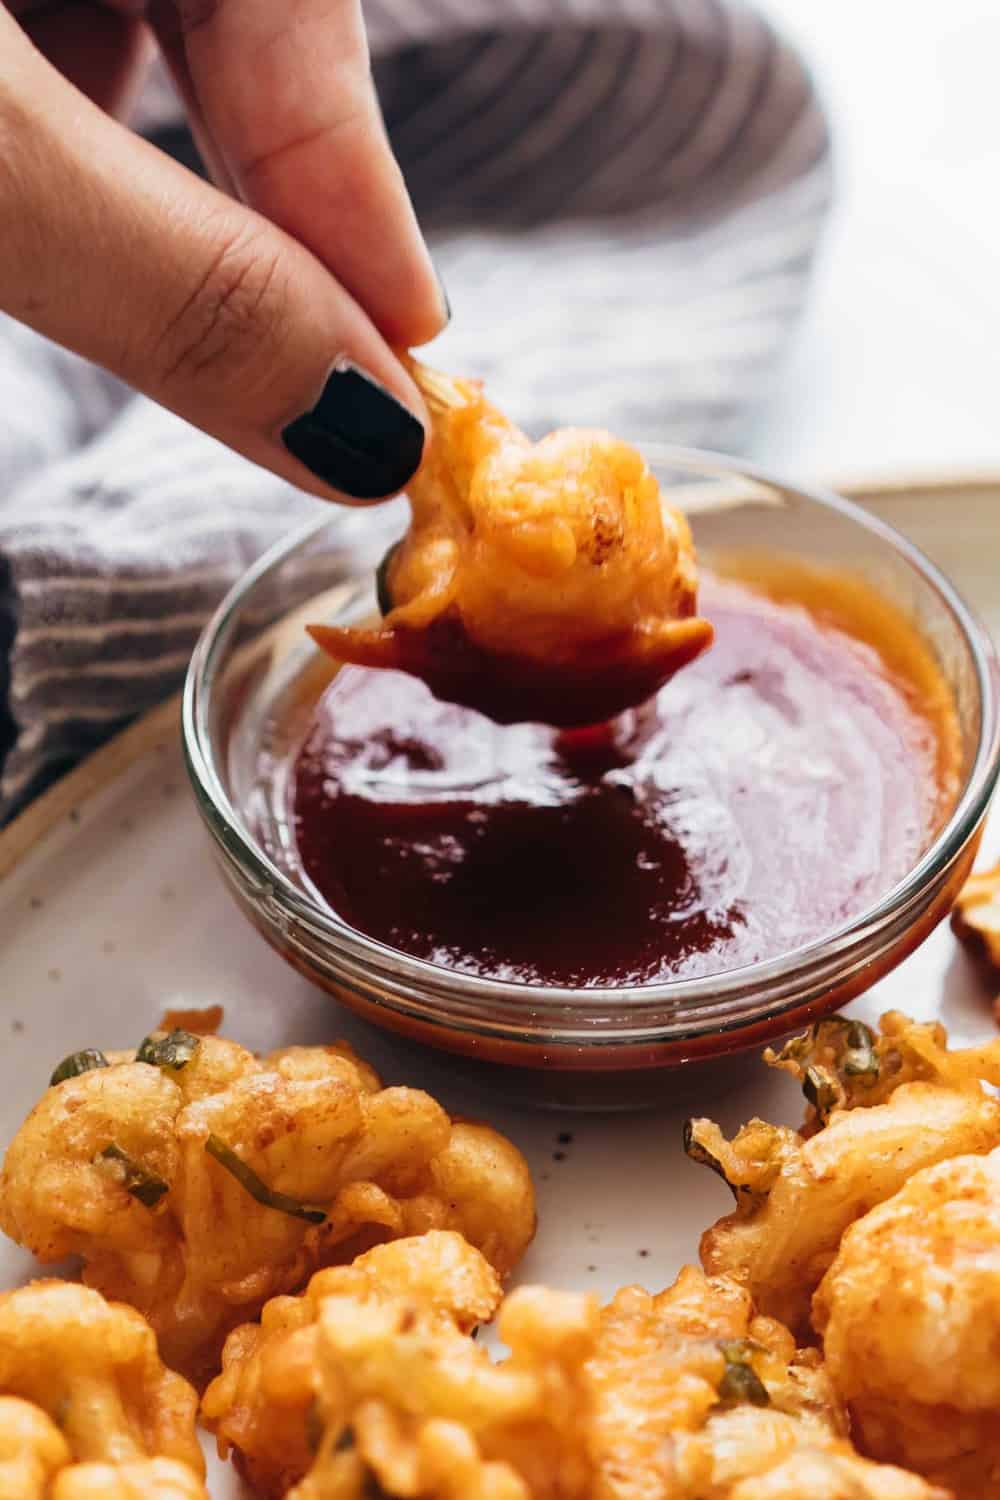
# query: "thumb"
115, 251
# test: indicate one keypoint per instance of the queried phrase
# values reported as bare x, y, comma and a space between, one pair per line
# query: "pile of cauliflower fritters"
314, 1254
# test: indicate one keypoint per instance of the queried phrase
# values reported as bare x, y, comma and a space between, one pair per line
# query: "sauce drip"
772, 790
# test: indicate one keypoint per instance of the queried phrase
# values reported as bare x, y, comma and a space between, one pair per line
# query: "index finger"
287, 95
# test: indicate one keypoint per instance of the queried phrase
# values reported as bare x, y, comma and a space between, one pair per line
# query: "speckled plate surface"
111, 911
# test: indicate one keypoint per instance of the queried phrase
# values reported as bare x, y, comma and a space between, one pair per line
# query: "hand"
265, 309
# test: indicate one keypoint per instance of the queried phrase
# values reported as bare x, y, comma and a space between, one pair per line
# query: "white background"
897, 362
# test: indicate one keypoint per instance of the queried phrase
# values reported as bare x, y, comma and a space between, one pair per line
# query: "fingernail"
357, 438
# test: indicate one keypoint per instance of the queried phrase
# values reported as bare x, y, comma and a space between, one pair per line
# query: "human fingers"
113, 250
287, 96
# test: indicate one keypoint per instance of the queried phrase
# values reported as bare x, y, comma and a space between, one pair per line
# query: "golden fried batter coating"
262, 1405
976, 918
796, 1194
909, 1313
693, 1395
425, 1409
93, 1366
32, 1450
154, 1479
538, 581
200, 1182
690, 1390
822, 1474
684, 1396
844, 1064
87, 1409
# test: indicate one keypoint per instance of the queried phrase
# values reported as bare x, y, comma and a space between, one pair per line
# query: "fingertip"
287, 95
445, 300
417, 320
437, 316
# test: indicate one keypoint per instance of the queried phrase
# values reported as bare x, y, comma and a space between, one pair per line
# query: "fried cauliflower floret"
200, 1182
540, 581
87, 1409
93, 1366
693, 1396
422, 1408
263, 1403
684, 1396
796, 1194
36, 1464
374, 1371
154, 1479
819, 1473
669, 1373
976, 918
909, 1313
32, 1450
844, 1064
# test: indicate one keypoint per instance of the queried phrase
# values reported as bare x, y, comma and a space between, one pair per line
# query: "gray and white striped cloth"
623, 197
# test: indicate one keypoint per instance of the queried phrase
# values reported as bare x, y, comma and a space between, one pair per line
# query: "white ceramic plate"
111, 912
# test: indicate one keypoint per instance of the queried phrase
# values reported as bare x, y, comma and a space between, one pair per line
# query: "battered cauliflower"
197, 1181
540, 581
87, 1409
843, 1064
909, 1313
690, 1395
376, 1352
371, 1385
796, 1193
976, 918
32, 1450
263, 1403
154, 1479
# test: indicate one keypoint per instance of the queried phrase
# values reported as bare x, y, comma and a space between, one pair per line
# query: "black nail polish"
357, 438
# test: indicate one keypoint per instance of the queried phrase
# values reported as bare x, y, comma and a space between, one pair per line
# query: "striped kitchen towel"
623, 197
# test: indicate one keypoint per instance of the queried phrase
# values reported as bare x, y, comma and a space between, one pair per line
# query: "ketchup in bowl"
775, 788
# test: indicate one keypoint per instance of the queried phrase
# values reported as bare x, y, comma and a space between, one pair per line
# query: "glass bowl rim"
505, 1008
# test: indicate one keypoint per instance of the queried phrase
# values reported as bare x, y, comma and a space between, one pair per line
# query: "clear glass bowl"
247, 706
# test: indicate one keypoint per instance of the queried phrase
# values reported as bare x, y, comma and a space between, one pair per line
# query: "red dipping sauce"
773, 789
